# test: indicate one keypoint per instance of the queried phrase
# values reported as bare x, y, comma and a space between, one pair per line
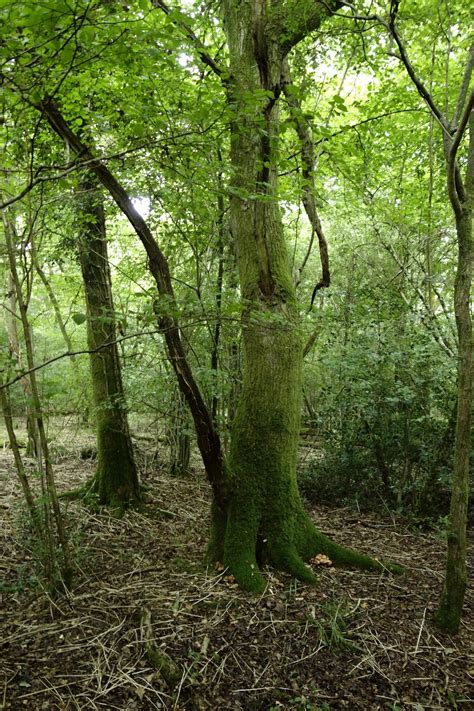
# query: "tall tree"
265, 518
460, 190
116, 479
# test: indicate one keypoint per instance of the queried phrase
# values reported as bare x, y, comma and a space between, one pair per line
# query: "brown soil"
352, 641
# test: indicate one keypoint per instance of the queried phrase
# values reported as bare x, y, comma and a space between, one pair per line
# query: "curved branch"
204, 56
421, 88
309, 189
457, 193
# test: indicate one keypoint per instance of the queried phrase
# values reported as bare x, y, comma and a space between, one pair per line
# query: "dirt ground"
352, 641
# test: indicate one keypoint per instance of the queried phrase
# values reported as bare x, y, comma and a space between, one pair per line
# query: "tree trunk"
179, 439
265, 518
11, 320
116, 479
452, 598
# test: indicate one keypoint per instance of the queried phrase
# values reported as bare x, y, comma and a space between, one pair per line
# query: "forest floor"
352, 641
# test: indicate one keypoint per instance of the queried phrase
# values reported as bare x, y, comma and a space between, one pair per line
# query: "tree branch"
309, 189
293, 20
422, 90
205, 57
457, 193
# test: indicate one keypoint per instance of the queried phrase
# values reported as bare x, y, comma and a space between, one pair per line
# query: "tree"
461, 196
116, 480
460, 189
265, 519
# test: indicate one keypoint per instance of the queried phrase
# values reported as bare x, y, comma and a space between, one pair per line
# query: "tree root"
288, 552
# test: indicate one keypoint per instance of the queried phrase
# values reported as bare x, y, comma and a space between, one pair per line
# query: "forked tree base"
243, 549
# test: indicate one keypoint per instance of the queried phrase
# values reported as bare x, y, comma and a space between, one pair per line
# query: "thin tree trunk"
15, 349
20, 468
51, 503
219, 283
452, 598
57, 313
462, 200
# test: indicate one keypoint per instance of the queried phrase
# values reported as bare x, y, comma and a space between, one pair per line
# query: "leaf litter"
147, 626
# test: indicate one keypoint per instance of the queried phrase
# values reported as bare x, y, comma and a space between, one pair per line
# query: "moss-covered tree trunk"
452, 598
265, 519
116, 480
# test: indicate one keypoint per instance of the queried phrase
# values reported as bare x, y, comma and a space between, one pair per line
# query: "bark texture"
116, 480
452, 598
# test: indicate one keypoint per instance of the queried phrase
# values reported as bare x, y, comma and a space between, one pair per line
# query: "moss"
448, 616
311, 542
240, 544
266, 522
215, 548
163, 663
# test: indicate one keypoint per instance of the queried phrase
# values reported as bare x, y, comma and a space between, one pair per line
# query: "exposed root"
244, 545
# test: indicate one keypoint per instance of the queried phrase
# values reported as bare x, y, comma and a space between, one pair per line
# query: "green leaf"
79, 318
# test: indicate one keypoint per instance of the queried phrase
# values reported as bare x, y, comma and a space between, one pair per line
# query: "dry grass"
354, 640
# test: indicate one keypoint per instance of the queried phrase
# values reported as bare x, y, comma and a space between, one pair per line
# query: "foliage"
380, 379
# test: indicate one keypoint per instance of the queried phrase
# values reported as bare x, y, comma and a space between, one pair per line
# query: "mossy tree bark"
452, 598
116, 479
265, 519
